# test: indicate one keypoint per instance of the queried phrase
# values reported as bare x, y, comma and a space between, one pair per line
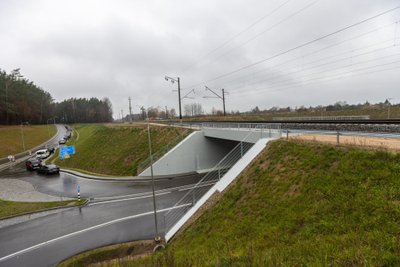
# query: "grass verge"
110, 255
34, 135
14, 208
117, 150
298, 204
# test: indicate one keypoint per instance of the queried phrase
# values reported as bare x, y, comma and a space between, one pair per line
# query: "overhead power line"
299, 46
270, 28
353, 73
302, 57
238, 34
311, 66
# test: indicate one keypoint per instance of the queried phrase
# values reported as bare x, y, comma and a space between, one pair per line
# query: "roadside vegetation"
118, 149
110, 255
13, 208
298, 204
34, 135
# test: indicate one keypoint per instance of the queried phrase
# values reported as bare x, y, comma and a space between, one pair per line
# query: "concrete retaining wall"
196, 153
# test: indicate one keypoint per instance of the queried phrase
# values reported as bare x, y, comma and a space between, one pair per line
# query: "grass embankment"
110, 255
12, 208
299, 204
34, 135
117, 150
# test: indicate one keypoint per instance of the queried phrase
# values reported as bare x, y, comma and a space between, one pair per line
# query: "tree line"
22, 101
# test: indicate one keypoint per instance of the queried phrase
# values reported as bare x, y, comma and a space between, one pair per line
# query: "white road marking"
198, 186
126, 199
169, 189
86, 230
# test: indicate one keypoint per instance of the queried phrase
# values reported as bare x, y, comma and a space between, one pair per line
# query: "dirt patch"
372, 142
294, 189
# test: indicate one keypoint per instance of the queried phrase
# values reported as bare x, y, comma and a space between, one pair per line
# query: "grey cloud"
121, 49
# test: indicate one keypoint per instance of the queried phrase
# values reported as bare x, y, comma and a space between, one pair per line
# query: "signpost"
66, 151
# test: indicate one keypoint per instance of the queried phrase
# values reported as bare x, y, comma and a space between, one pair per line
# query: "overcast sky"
120, 49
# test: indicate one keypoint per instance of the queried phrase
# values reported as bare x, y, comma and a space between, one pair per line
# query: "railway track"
369, 121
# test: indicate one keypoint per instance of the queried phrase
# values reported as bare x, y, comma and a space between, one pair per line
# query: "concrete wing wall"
196, 153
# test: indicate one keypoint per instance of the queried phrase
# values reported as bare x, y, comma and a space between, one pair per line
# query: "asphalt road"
119, 211
65, 185
47, 240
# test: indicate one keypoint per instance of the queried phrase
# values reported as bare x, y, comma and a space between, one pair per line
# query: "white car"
42, 153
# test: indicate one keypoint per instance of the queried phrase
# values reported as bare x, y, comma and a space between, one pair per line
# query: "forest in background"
22, 101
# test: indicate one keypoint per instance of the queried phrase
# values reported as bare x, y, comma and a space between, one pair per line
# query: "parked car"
42, 153
62, 141
49, 169
33, 164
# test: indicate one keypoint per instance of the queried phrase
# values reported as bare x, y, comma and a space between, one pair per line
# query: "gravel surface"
373, 142
17, 190
381, 128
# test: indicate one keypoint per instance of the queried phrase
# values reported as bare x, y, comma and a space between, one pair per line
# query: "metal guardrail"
287, 132
242, 126
213, 176
318, 118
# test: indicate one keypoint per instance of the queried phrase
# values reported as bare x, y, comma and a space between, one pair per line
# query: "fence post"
287, 134
337, 137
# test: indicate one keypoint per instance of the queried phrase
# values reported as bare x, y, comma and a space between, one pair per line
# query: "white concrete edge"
169, 152
222, 184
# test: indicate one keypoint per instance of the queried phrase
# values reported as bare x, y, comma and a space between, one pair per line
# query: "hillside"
117, 150
34, 135
299, 204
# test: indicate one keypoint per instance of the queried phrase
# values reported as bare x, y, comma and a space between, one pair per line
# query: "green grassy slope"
13, 208
299, 204
116, 150
34, 135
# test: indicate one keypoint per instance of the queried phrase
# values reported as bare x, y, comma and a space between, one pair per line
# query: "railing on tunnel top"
213, 176
242, 126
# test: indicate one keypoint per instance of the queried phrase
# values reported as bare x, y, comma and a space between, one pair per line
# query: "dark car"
62, 141
33, 164
49, 169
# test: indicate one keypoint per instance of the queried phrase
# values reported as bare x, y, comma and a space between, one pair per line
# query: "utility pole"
218, 96
7, 84
22, 136
130, 110
179, 95
73, 110
157, 235
388, 100
177, 79
223, 100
